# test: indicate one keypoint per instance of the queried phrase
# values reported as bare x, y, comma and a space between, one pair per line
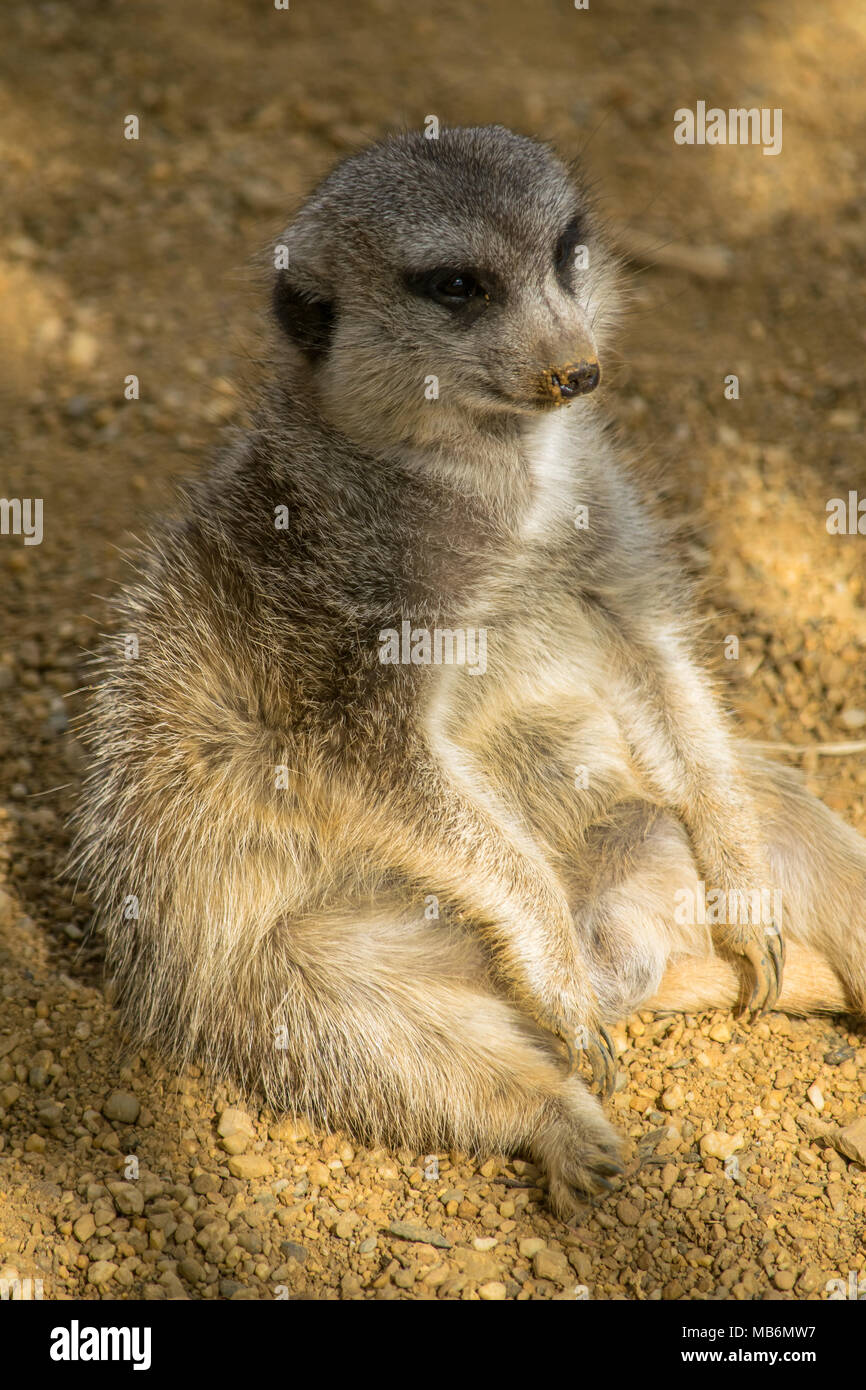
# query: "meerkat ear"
308, 321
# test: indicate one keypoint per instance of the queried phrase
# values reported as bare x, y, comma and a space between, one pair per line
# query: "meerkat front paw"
588, 1041
764, 948
596, 1046
601, 1053
579, 1150
746, 922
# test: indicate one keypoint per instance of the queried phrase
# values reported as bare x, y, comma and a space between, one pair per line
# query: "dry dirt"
121, 257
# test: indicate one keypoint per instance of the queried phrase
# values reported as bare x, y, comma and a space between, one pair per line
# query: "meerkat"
365, 880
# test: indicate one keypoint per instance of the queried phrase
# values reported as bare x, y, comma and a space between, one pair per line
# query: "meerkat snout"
562, 384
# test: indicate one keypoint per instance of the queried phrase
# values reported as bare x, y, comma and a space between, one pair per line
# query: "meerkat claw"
602, 1058
571, 1052
608, 1042
611, 1168
776, 949
760, 978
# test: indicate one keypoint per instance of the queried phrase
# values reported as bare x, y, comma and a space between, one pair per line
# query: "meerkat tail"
810, 985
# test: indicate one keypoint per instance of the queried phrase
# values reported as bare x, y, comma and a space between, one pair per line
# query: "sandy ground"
121, 257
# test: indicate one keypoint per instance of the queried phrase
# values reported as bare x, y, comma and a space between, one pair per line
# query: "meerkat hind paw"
581, 1167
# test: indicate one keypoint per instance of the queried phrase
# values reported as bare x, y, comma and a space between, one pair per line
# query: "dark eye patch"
563, 253
454, 288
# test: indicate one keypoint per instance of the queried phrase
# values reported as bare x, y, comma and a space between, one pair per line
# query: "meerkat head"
433, 280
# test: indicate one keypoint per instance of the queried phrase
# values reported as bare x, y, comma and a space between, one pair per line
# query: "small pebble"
816, 1096
123, 1107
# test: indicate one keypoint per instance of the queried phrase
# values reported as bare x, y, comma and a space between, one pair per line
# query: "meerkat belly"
536, 727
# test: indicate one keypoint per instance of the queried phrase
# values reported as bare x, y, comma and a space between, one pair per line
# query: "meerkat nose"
576, 379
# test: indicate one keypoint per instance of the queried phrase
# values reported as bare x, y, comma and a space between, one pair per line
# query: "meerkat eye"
459, 287
452, 288
565, 247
